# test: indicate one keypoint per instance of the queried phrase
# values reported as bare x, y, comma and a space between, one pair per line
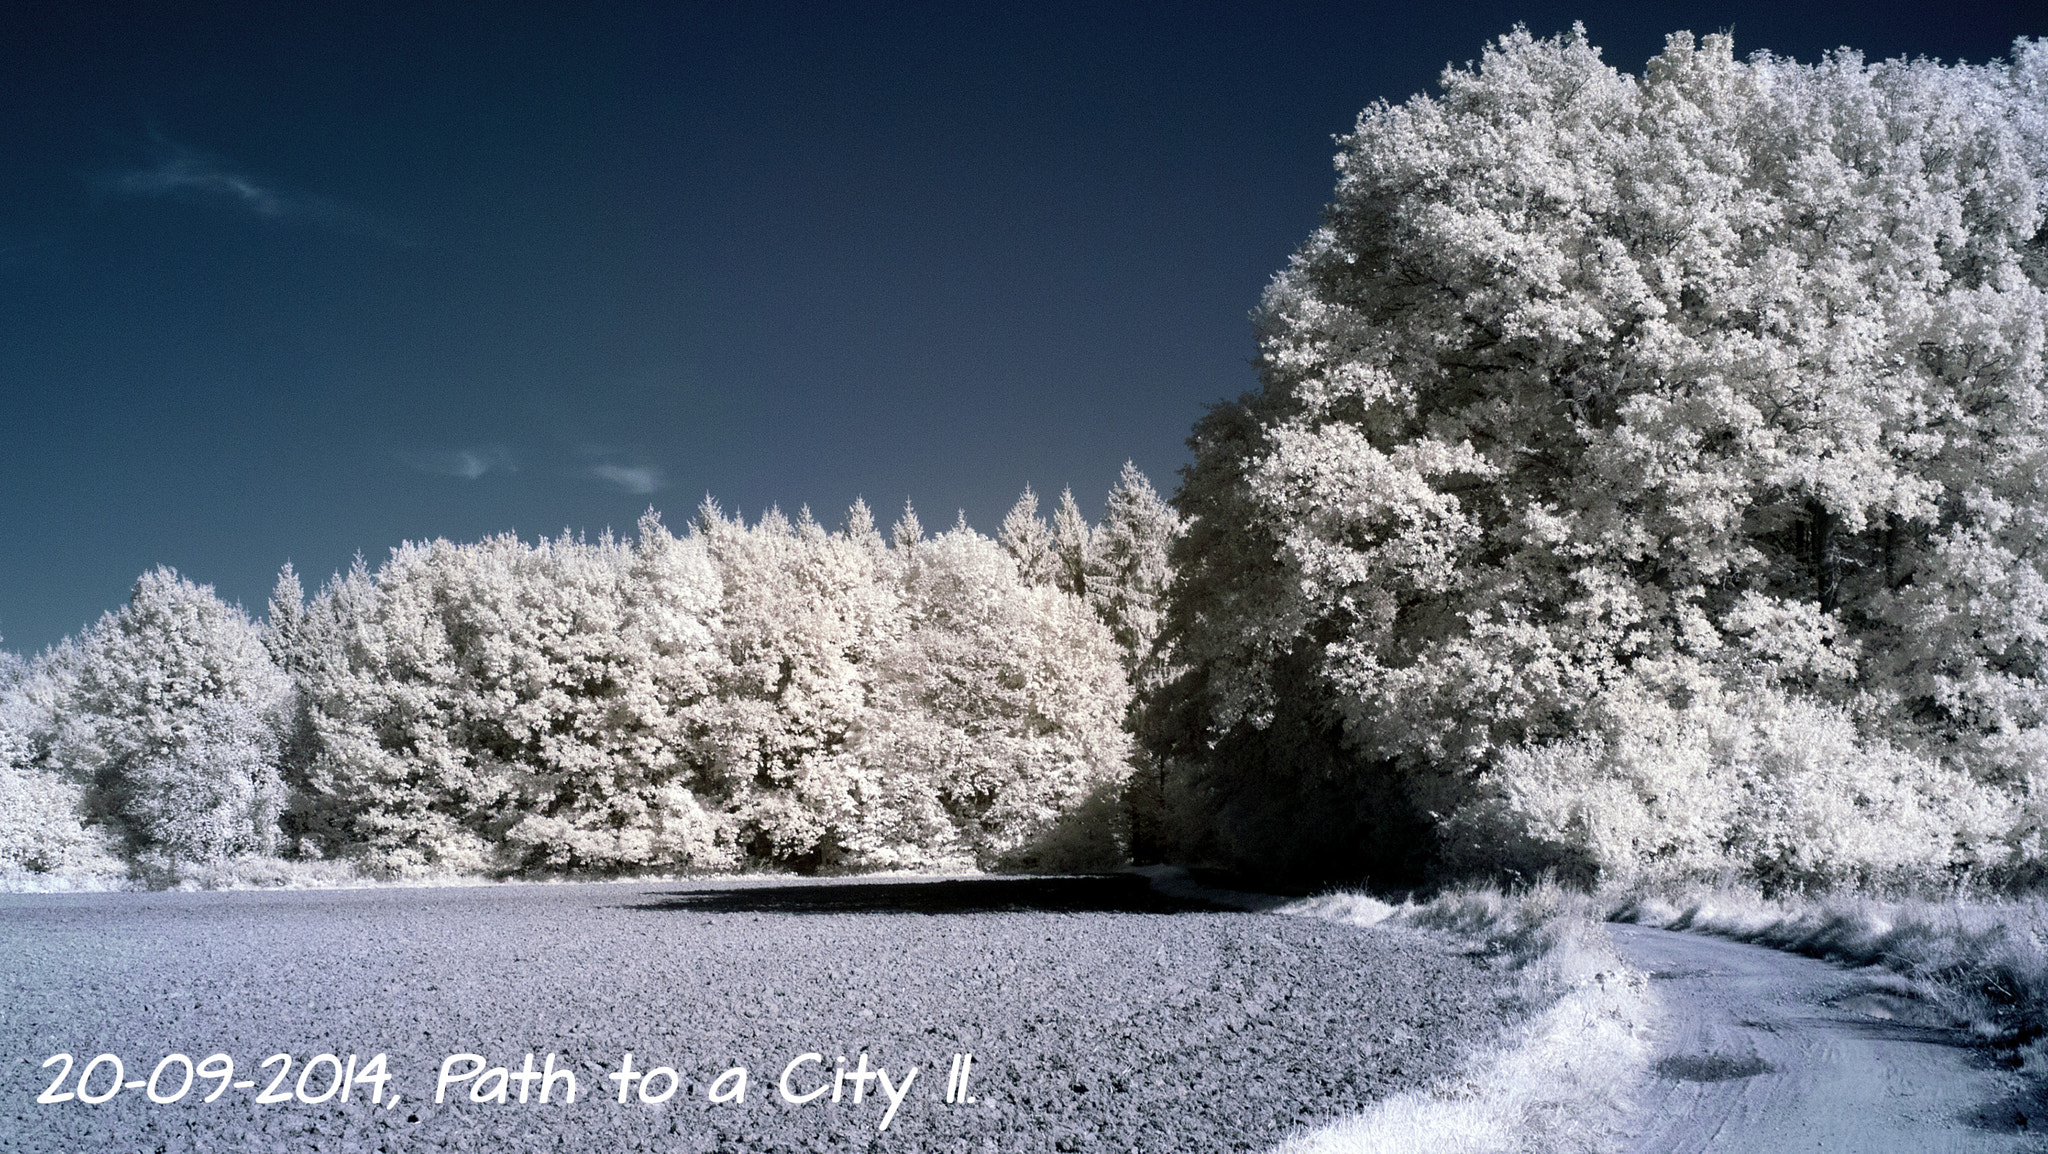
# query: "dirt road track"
1769, 1051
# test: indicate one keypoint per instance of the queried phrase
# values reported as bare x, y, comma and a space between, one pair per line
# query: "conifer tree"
907, 532
1131, 549
1073, 545
1028, 540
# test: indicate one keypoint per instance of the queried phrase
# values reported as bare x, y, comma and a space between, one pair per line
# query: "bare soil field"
1099, 1014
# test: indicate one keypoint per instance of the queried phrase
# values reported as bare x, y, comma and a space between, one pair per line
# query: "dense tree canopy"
773, 694
1602, 403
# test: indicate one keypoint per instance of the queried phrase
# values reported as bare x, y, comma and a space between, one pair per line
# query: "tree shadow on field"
1115, 894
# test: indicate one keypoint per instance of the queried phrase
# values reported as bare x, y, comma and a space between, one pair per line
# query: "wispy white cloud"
189, 175
195, 177
639, 480
468, 464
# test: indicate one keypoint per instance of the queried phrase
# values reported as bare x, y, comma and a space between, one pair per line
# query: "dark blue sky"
285, 283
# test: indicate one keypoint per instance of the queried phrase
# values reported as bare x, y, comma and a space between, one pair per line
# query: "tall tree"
797, 625
907, 532
43, 829
1028, 540
504, 706
1595, 385
1131, 567
1073, 544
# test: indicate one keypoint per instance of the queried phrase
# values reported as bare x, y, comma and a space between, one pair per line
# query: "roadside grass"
1980, 961
1558, 1082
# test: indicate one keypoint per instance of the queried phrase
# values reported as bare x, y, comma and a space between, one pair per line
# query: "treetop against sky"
289, 284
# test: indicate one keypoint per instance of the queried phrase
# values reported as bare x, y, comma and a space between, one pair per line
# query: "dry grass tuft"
1558, 1083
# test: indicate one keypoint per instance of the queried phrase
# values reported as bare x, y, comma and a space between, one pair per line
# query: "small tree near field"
170, 718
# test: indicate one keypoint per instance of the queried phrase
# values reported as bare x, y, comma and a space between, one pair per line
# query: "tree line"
773, 695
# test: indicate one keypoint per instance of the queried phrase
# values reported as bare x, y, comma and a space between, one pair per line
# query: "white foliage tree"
42, 814
20, 717
772, 694
801, 616
504, 706
1131, 567
998, 716
1028, 540
170, 715
907, 532
1725, 376
1073, 546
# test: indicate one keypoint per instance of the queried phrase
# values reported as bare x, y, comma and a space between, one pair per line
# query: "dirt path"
1769, 1051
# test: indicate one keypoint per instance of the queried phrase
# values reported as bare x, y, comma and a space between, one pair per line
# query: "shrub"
1765, 785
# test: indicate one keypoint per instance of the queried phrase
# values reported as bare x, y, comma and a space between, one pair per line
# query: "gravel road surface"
1769, 1051
1100, 1015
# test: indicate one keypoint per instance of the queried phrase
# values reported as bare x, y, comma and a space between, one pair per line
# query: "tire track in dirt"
1767, 1051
